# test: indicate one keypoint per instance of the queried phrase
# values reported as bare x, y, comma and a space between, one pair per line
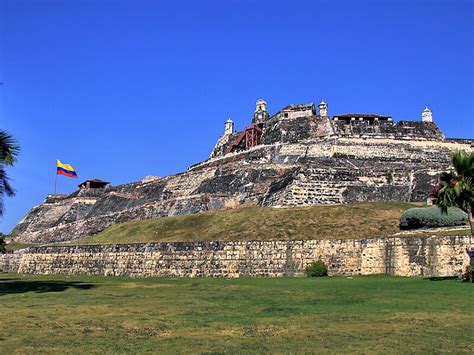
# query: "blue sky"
122, 89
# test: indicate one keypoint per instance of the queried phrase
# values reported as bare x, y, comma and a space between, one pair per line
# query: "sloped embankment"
363, 220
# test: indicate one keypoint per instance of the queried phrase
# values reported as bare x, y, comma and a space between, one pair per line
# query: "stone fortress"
298, 156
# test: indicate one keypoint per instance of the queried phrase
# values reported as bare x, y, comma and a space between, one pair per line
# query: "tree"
9, 150
2, 243
456, 188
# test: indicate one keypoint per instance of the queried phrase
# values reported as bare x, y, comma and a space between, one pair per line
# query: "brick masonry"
414, 256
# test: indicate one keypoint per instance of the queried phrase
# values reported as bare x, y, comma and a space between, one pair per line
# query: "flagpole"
56, 178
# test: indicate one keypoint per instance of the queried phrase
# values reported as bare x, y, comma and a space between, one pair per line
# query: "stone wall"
11, 262
318, 171
414, 256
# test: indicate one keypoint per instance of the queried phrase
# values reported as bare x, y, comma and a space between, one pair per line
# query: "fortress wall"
315, 186
367, 148
10, 262
361, 170
396, 149
313, 172
361, 148
416, 256
449, 144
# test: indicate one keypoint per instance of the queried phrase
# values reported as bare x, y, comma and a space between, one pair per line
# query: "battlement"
385, 128
299, 122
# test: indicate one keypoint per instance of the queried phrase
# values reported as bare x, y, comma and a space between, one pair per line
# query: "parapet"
296, 110
299, 122
51, 198
370, 118
375, 126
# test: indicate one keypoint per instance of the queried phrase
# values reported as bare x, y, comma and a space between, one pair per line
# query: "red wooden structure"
252, 135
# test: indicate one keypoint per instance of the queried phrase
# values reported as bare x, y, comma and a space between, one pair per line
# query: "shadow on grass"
13, 286
442, 278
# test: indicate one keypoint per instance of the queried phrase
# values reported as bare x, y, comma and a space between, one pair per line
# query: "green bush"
2, 244
469, 274
316, 269
431, 217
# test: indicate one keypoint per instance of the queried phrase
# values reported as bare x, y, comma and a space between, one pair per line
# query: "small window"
286, 114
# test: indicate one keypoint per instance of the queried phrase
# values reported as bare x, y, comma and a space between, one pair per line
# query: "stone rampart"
11, 262
300, 173
413, 256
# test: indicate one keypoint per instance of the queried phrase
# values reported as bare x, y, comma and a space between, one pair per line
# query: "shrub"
316, 269
431, 217
2, 244
469, 274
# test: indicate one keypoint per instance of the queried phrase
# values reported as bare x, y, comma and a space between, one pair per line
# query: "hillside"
296, 157
262, 223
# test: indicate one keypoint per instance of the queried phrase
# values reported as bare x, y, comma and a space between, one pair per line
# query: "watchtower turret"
323, 109
427, 115
228, 127
261, 112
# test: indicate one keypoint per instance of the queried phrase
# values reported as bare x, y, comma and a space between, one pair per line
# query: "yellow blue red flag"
65, 169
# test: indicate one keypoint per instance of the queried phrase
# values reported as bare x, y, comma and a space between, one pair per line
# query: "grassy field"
376, 314
16, 246
259, 223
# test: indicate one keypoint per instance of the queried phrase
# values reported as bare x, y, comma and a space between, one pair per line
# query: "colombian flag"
66, 170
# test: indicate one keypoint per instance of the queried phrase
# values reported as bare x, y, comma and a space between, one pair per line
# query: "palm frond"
5, 187
445, 178
9, 148
463, 163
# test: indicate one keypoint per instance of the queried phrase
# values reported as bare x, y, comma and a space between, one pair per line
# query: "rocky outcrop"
299, 160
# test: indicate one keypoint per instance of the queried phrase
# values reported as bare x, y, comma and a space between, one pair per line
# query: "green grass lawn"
262, 223
17, 246
376, 314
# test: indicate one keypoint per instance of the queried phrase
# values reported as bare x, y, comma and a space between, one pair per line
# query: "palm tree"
9, 150
457, 187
